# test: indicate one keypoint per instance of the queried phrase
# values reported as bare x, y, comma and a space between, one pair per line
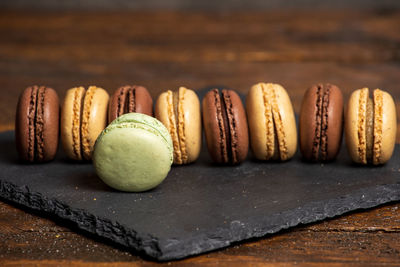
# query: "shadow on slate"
199, 207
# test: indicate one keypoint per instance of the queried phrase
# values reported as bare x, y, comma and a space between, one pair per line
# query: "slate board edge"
150, 246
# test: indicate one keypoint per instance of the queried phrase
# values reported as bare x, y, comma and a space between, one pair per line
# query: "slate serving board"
199, 207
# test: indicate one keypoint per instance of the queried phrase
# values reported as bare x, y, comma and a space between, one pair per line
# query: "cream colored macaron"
83, 117
272, 124
370, 126
179, 111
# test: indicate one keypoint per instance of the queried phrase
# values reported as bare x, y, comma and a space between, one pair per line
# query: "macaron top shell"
36, 124
140, 118
180, 113
134, 153
321, 122
225, 126
272, 123
130, 98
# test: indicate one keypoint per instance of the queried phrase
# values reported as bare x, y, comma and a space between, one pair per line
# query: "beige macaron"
179, 111
83, 117
370, 126
272, 124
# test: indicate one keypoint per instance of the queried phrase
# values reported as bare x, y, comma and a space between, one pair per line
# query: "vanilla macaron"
179, 111
370, 126
83, 117
272, 124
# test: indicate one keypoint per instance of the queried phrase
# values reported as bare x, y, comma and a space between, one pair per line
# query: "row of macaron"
266, 123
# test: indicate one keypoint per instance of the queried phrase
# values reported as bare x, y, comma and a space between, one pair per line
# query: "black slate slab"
199, 207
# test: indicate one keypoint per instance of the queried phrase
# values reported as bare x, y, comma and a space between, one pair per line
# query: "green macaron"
134, 153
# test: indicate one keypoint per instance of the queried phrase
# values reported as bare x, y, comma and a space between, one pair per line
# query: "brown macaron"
130, 98
225, 126
36, 124
321, 122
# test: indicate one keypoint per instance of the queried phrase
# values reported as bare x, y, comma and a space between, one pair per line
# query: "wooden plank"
366, 238
191, 37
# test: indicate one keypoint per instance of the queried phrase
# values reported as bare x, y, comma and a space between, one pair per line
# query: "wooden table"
163, 50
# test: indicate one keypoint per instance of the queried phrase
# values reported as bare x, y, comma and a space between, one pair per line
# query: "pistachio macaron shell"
355, 127
272, 123
139, 118
134, 153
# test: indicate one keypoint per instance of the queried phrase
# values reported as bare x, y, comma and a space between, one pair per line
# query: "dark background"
195, 4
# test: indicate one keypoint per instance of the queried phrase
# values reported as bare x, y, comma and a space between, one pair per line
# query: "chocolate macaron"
370, 126
321, 122
83, 117
225, 126
36, 124
272, 124
179, 111
130, 98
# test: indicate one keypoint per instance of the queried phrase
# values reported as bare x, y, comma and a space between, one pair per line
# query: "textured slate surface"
199, 207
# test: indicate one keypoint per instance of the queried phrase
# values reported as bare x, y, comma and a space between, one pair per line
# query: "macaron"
370, 126
134, 153
225, 126
130, 98
179, 111
321, 122
37, 124
83, 117
272, 124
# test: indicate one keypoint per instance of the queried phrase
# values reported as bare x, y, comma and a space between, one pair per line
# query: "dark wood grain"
164, 50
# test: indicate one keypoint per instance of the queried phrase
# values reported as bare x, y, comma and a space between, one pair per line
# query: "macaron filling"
229, 126
121, 101
39, 124
271, 135
173, 101
369, 133
79, 95
370, 126
280, 150
126, 102
87, 103
320, 141
179, 99
378, 126
32, 122
130, 103
222, 119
